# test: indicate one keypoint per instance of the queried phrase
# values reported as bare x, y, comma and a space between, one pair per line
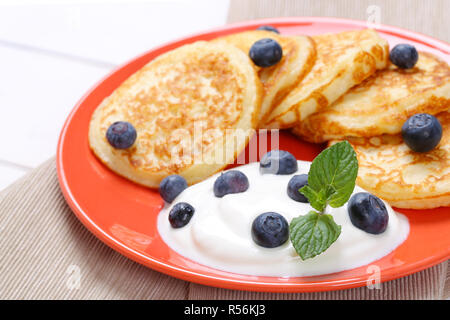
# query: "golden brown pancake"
194, 109
404, 178
383, 102
343, 60
298, 58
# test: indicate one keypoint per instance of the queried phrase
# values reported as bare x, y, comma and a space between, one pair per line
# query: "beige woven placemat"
429, 17
46, 253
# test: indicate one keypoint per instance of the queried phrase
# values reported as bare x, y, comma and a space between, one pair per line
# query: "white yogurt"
219, 233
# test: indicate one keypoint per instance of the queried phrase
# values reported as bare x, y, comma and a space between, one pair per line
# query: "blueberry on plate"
368, 213
121, 135
181, 214
278, 162
171, 186
270, 230
266, 52
298, 181
404, 56
268, 28
422, 132
232, 181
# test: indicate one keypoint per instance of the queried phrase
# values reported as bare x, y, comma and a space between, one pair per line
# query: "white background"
52, 52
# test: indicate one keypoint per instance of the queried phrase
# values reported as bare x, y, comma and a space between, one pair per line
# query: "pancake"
298, 59
194, 109
382, 103
343, 60
404, 178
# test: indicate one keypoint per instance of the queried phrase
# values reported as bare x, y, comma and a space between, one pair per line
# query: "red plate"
123, 214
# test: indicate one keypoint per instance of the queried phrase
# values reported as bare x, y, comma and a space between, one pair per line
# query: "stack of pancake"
326, 88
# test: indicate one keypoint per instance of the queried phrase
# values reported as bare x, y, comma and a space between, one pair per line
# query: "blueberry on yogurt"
171, 186
298, 181
121, 135
278, 162
270, 230
181, 214
266, 52
232, 181
368, 213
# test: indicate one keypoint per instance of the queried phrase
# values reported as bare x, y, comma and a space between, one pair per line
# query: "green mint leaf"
332, 177
331, 181
313, 233
317, 200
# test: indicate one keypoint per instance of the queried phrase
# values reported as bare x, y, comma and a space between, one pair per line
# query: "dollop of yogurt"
219, 233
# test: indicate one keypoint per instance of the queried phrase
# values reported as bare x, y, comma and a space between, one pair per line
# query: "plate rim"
220, 281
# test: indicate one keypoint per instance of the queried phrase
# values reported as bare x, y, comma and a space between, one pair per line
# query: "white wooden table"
52, 52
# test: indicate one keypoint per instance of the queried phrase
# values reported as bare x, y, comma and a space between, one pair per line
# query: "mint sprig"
313, 233
332, 177
331, 181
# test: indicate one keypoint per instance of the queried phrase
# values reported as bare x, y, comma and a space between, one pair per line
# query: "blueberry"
422, 132
233, 181
268, 28
278, 162
368, 213
171, 186
121, 135
266, 52
297, 182
404, 56
181, 214
270, 230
